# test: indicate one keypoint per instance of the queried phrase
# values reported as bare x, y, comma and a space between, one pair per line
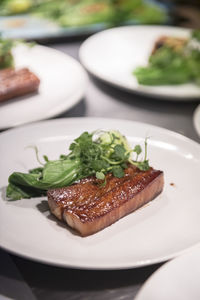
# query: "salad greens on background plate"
161, 230
127, 61
30, 19
173, 61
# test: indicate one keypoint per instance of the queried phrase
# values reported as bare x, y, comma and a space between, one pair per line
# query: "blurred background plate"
113, 55
196, 119
49, 19
177, 279
62, 85
32, 28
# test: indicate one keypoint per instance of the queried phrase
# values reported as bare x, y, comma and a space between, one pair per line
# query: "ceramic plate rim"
83, 266
196, 119
172, 262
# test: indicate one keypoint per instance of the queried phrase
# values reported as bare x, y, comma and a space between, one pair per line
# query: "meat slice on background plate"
15, 83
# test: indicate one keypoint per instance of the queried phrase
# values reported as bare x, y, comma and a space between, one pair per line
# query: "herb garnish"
6, 56
94, 154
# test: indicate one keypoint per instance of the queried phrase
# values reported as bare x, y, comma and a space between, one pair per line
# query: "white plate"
63, 82
196, 119
159, 231
113, 54
177, 279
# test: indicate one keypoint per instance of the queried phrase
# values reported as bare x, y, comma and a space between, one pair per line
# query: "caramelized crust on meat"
83, 193
88, 207
17, 83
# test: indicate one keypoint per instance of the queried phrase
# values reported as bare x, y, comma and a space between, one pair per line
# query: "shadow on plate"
3, 193
43, 207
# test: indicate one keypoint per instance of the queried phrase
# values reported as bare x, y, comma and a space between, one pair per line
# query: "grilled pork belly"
89, 207
14, 83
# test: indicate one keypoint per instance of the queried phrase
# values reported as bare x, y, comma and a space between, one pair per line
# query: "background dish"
62, 85
31, 28
196, 119
127, 48
177, 279
163, 229
47, 20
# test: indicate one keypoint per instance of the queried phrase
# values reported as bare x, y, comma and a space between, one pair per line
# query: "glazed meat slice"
88, 207
14, 83
83, 193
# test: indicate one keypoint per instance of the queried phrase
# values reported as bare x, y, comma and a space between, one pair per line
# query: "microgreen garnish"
91, 154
